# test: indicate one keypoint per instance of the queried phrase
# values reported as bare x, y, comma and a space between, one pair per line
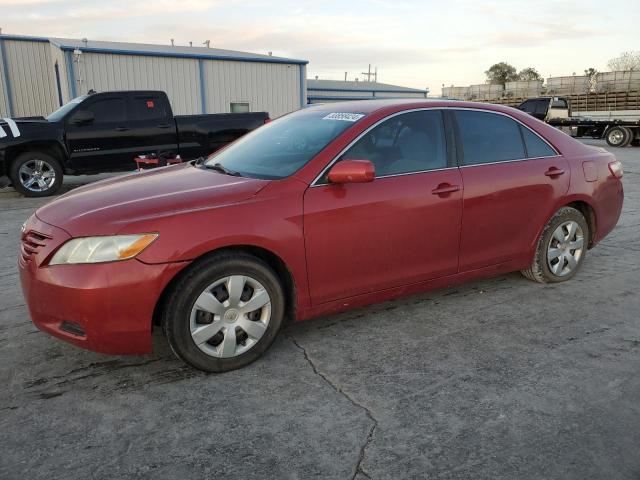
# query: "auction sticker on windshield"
347, 117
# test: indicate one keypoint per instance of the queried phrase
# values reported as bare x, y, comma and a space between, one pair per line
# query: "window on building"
240, 107
411, 142
488, 137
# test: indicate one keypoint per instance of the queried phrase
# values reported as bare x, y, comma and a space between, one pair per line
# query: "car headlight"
102, 249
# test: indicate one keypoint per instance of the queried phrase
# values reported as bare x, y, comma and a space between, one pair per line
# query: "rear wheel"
561, 248
36, 174
617, 136
224, 312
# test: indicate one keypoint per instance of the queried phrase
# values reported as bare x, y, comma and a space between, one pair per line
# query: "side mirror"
82, 117
352, 171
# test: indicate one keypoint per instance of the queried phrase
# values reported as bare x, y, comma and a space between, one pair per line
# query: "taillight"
616, 169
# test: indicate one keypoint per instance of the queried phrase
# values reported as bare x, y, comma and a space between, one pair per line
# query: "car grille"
32, 242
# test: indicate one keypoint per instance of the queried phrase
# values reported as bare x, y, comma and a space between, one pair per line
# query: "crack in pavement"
358, 467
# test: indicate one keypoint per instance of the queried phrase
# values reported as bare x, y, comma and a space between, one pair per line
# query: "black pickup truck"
104, 132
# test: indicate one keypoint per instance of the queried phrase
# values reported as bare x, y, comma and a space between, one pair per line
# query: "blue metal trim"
144, 53
364, 90
71, 78
56, 67
302, 92
25, 38
203, 95
7, 79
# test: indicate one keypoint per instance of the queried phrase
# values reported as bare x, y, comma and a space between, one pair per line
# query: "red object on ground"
345, 245
155, 161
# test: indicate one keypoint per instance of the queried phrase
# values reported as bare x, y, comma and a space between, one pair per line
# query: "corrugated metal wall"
333, 93
178, 77
277, 88
32, 77
399, 95
270, 87
4, 109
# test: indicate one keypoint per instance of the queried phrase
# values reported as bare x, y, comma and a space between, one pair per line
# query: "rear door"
102, 143
153, 129
512, 181
402, 228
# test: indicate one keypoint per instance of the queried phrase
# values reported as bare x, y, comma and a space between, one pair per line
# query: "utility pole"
368, 74
345, 76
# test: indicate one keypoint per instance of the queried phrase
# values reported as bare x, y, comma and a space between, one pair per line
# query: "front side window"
541, 106
108, 110
60, 113
529, 106
280, 148
488, 137
406, 143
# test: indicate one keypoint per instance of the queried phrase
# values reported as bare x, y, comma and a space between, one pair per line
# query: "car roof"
395, 105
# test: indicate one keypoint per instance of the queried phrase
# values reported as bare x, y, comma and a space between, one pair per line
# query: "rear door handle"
445, 189
121, 129
554, 172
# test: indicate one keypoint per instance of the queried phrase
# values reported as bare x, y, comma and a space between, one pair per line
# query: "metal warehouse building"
324, 91
37, 75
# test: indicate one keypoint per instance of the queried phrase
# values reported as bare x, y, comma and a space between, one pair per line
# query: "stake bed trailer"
556, 111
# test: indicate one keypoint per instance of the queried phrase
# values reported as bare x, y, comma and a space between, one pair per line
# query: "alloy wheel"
37, 175
230, 316
565, 248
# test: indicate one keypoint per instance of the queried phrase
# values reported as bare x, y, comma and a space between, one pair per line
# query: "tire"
546, 267
36, 174
617, 136
629, 137
220, 331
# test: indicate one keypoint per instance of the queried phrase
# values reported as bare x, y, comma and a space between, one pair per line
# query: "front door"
402, 228
101, 143
512, 182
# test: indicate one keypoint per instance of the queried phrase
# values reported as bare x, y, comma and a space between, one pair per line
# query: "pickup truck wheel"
36, 174
224, 312
561, 248
616, 136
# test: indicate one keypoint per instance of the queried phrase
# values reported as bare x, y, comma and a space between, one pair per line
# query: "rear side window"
541, 106
148, 108
528, 106
108, 110
559, 103
406, 143
488, 137
536, 147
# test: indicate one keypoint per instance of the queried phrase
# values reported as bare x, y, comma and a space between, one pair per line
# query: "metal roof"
146, 49
352, 86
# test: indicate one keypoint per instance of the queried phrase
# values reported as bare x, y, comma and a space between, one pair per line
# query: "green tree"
528, 74
501, 73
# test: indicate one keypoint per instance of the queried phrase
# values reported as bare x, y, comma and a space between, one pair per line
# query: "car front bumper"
106, 307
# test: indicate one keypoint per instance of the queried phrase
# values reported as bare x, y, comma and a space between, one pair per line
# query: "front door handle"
163, 125
554, 172
445, 189
121, 129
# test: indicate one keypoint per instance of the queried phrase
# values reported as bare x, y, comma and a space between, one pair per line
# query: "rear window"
488, 137
148, 108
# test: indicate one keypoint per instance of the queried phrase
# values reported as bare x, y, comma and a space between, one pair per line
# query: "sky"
413, 43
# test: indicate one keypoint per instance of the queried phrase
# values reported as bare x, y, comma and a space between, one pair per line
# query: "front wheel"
36, 174
561, 248
224, 312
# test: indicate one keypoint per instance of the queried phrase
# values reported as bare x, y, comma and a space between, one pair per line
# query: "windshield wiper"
218, 167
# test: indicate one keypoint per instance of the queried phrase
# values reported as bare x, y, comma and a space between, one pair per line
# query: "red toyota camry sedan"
331, 207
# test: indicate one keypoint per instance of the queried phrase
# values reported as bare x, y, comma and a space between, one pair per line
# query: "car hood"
106, 207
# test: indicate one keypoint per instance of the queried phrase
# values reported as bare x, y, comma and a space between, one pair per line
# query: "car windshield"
280, 148
60, 113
